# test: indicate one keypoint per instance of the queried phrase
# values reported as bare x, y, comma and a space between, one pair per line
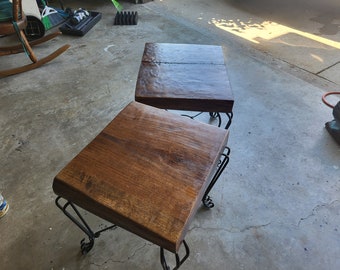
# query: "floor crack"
247, 228
134, 252
317, 73
234, 229
315, 209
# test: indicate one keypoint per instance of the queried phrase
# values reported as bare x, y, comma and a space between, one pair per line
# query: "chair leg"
27, 47
19, 49
38, 63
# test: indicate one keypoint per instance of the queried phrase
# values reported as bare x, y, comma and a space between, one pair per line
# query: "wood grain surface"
183, 53
146, 172
184, 77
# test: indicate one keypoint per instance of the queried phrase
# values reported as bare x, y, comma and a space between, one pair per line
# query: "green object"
5, 10
50, 17
118, 6
45, 18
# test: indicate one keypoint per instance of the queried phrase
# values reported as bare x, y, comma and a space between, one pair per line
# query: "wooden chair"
15, 23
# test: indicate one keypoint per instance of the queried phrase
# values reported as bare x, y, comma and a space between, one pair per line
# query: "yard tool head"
126, 18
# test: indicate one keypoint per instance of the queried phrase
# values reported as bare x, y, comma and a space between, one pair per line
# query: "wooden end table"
146, 172
187, 77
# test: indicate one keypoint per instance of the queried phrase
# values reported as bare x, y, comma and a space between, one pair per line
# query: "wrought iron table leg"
192, 116
207, 201
218, 115
214, 115
81, 223
179, 261
230, 117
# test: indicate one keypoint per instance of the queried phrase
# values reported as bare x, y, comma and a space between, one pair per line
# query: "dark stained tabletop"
172, 53
146, 172
184, 77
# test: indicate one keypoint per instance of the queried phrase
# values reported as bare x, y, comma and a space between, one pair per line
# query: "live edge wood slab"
188, 77
145, 172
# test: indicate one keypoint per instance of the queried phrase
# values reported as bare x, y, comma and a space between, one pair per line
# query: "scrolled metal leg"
81, 223
216, 115
230, 117
206, 200
179, 261
192, 116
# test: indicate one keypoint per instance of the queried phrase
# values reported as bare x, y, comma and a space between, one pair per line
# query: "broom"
51, 17
117, 5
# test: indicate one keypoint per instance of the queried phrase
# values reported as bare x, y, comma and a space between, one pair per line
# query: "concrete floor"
277, 205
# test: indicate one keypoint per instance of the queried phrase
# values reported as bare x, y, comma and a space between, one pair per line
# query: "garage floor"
277, 205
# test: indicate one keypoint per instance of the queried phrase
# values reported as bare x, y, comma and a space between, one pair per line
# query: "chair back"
6, 10
17, 10
10, 11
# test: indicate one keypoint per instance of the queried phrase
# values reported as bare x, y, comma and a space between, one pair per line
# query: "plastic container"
83, 26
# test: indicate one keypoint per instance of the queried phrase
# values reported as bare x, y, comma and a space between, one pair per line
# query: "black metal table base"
224, 160
87, 246
179, 261
82, 224
218, 115
214, 115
